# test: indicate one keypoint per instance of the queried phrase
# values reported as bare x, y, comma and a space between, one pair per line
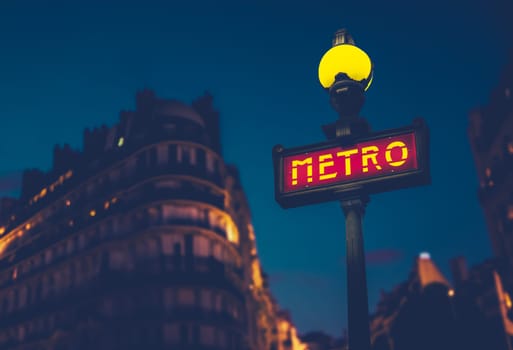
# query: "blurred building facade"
490, 133
427, 312
141, 240
318, 340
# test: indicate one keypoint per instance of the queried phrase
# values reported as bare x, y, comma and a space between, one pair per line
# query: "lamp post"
346, 72
350, 166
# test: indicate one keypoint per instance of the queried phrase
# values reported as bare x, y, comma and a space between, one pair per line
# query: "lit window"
43, 192
113, 200
106, 205
68, 174
70, 223
28, 226
488, 172
450, 293
92, 213
68, 202
507, 299
2, 230
491, 183
121, 141
510, 148
15, 273
201, 246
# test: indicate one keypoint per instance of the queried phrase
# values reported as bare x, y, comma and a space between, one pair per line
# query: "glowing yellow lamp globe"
347, 59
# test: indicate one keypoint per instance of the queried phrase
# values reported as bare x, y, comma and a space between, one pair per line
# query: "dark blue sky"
68, 65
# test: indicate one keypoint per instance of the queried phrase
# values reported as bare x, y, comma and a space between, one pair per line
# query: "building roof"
173, 108
428, 272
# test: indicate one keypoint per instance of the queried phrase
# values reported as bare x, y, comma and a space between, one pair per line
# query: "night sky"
69, 65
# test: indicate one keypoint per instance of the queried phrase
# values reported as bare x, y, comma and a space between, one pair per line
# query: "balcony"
150, 274
147, 194
127, 180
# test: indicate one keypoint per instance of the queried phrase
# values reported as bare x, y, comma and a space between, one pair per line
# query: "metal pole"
357, 304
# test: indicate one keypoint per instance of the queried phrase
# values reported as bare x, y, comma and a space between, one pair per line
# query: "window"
217, 252
207, 335
186, 154
21, 333
186, 297
69, 246
217, 221
171, 334
168, 244
206, 299
48, 256
221, 338
117, 260
171, 212
210, 162
179, 153
201, 246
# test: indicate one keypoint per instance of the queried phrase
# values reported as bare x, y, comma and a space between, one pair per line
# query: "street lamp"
350, 166
346, 72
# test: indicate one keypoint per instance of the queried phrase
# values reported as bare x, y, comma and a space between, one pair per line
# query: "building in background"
490, 133
491, 137
427, 312
141, 240
321, 341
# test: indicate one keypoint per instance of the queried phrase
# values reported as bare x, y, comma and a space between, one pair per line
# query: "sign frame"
346, 190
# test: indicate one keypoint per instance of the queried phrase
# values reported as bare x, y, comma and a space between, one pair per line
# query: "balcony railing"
126, 180
155, 272
62, 231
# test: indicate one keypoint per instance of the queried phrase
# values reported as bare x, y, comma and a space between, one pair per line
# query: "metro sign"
336, 169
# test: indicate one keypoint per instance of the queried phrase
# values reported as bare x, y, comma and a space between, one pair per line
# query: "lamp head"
346, 71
